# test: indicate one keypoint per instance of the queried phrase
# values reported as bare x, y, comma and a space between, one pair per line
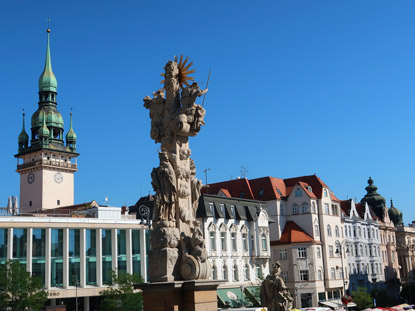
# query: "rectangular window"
223, 241
326, 209
283, 253
212, 209
38, 253
334, 210
284, 276
91, 256
222, 209
19, 244
212, 235
122, 250
136, 250
106, 256
74, 257
298, 192
3, 245
233, 241
304, 275
245, 241
318, 252
56, 258
331, 251
321, 296
302, 252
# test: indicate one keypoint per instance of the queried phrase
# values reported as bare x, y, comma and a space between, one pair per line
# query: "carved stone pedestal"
180, 295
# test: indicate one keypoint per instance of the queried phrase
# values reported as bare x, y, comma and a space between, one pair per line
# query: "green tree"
19, 290
362, 298
121, 295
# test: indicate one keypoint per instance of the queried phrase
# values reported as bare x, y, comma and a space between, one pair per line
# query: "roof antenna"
206, 171
207, 83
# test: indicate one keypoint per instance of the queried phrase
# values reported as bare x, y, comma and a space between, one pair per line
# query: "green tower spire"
44, 131
47, 80
23, 139
71, 137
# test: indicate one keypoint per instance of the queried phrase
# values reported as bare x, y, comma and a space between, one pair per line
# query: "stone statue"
274, 294
177, 246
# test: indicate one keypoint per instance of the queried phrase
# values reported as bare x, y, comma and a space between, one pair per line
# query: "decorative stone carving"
274, 294
178, 248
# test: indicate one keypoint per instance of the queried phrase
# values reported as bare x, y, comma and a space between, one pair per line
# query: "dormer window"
309, 189
222, 209
212, 209
261, 192
326, 193
298, 192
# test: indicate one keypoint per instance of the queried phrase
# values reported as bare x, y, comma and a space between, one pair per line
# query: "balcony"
69, 165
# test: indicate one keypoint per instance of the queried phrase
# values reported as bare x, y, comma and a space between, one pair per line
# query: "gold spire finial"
48, 30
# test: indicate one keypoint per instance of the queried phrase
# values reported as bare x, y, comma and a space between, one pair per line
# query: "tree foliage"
408, 293
121, 295
19, 290
362, 298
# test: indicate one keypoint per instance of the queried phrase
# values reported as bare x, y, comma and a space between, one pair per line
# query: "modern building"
362, 246
72, 248
307, 206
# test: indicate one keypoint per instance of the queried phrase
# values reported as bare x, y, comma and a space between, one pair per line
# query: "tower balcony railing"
47, 162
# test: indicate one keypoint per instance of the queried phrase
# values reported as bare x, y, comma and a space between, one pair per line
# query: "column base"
180, 295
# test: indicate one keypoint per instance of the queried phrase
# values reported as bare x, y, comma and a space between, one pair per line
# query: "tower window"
59, 202
30, 203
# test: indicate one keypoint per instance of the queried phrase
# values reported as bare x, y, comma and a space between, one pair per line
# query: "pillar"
143, 253
128, 239
29, 248
82, 278
65, 257
47, 257
99, 257
9, 243
86, 303
114, 249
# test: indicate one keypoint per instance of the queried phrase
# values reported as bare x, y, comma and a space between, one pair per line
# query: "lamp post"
339, 250
145, 214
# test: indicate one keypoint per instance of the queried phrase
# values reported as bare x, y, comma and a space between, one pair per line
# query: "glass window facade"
122, 250
135, 240
3, 245
56, 248
74, 257
38, 253
19, 244
106, 256
91, 256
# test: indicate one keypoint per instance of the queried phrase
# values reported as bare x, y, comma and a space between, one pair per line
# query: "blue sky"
297, 88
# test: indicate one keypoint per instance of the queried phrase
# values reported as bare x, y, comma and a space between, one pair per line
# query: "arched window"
235, 273
316, 230
313, 207
304, 208
246, 272
336, 231
264, 242
328, 230
225, 272
319, 275
295, 209
212, 236
214, 273
361, 250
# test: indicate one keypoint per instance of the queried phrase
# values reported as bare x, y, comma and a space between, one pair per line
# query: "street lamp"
144, 211
339, 250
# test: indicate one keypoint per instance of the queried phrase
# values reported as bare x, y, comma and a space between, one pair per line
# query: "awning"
336, 303
229, 294
251, 292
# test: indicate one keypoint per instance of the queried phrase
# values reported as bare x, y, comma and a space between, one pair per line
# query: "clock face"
30, 178
58, 178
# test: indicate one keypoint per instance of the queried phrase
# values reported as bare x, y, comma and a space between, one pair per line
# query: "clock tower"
46, 165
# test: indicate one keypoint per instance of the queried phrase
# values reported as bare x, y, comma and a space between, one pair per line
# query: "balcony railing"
48, 162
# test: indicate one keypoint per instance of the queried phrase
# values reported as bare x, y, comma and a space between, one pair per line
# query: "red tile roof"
292, 233
269, 188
